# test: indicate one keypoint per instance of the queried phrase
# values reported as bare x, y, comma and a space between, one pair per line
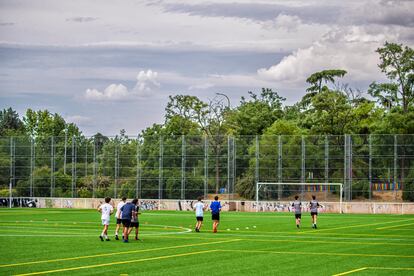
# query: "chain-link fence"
371, 167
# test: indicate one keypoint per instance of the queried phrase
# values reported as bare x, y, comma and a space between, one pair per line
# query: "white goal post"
260, 184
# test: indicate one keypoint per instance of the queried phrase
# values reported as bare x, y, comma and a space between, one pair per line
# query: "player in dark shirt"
314, 205
128, 211
135, 223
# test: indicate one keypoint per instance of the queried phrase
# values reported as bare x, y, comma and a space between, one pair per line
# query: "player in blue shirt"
215, 208
128, 211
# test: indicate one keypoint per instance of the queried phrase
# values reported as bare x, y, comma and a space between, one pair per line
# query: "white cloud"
201, 86
112, 92
286, 22
349, 48
146, 82
79, 120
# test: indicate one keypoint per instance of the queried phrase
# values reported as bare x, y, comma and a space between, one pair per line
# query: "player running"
135, 222
199, 208
215, 208
297, 205
119, 217
128, 211
106, 209
314, 205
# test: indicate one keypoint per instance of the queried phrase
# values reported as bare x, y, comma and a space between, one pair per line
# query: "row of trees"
328, 108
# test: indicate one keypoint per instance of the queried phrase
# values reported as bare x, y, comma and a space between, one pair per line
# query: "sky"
110, 65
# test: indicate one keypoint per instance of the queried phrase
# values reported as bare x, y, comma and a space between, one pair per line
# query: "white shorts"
105, 221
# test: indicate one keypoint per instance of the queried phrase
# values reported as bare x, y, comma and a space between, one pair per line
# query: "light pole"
228, 100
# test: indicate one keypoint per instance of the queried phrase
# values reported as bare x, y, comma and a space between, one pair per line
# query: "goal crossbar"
259, 184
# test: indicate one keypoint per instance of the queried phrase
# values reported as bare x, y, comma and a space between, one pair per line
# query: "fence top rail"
134, 137
295, 183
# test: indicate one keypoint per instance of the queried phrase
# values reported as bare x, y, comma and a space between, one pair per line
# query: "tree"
397, 62
42, 124
327, 76
253, 116
317, 79
10, 122
183, 111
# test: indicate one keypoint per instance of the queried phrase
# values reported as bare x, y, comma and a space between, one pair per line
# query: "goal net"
286, 192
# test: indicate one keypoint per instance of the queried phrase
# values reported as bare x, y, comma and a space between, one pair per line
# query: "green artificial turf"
66, 241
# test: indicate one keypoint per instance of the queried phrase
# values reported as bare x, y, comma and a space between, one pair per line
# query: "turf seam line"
317, 253
116, 253
373, 268
394, 226
358, 225
117, 263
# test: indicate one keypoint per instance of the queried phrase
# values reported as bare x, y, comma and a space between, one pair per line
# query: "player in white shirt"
118, 216
199, 209
106, 209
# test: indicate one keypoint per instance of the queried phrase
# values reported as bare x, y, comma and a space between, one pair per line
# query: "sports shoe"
125, 241
136, 238
101, 238
316, 227
107, 239
297, 225
116, 237
215, 231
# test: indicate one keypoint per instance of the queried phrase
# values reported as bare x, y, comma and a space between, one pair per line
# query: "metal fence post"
74, 193
65, 150
116, 168
257, 175
395, 160
345, 167
234, 167
32, 165
138, 183
205, 166
370, 165
52, 166
86, 158
303, 167
279, 167
11, 164
350, 176
228, 167
182, 167
326, 159
94, 168
160, 163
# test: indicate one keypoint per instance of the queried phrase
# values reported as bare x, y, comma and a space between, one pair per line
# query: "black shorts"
199, 218
134, 224
314, 213
118, 221
126, 222
215, 216
298, 216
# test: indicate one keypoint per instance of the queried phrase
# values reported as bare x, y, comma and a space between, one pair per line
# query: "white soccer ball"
237, 229
254, 226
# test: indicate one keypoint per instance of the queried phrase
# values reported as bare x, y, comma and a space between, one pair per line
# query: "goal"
281, 192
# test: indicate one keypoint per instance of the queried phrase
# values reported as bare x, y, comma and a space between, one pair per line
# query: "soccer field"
65, 241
